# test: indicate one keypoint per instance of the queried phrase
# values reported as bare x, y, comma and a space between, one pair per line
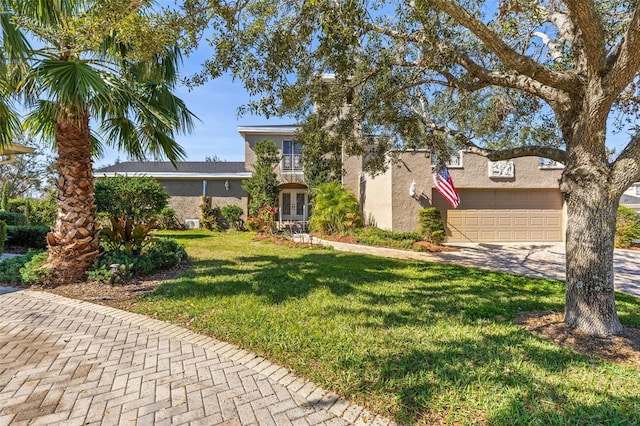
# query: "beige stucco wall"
250, 142
376, 200
474, 174
186, 195
352, 174
386, 197
411, 167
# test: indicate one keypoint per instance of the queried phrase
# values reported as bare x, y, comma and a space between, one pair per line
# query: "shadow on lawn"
420, 378
423, 294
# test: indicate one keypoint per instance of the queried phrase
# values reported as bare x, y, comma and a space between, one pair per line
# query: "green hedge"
379, 237
13, 218
3, 235
34, 237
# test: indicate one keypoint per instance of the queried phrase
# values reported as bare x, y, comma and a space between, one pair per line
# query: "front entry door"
293, 205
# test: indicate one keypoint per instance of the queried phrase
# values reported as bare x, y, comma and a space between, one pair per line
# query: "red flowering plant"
264, 221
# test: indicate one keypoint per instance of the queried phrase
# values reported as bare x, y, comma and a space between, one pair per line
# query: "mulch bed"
622, 349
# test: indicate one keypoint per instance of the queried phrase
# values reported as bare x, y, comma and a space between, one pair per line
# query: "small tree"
336, 209
262, 187
139, 197
627, 227
431, 225
233, 216
4, 202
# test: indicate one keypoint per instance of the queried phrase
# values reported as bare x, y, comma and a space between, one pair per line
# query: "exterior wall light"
226, 185
412, 189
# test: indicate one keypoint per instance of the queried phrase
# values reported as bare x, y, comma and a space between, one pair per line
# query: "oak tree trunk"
73, 242
590, 298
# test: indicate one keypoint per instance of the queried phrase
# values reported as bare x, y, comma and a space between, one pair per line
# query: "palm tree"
102, 60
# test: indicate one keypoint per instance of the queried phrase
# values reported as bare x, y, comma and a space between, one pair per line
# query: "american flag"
444, 185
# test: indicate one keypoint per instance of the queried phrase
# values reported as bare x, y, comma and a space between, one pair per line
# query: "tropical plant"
210, 216
111, 61
335, 210
117, 266
262, 186
125, 234
141, 197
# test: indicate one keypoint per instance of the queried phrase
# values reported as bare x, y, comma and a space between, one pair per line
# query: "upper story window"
291, 157
453, 162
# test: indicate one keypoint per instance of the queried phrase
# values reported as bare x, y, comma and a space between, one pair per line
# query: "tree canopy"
503, 79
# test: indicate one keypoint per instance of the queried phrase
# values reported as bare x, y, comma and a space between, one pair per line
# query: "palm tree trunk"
73, 242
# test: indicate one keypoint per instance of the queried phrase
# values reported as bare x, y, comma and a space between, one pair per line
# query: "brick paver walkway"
67, 362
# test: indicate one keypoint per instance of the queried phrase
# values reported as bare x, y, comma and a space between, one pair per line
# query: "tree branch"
566, 81
551, 153
626, 168
588, 21
626, 61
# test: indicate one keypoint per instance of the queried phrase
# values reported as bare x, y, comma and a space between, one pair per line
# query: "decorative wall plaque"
502, 169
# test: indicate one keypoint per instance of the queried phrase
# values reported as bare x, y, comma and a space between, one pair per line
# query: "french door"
293, 205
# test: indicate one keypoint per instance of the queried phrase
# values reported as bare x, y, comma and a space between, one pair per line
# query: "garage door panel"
506, 216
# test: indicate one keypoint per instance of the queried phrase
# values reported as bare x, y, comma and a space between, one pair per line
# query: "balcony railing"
292, 163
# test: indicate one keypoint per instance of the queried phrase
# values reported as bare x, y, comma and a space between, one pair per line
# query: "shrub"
431, 225
32, 272
13, 218
34, 237
233, 216
379, 237
117, 266
3, 235
262, 186
627, 227
210, 217
140, 197
10, 268
167, 219
335, 210
263, 221
37, 212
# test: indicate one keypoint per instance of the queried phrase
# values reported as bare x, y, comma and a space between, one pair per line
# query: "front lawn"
418, 342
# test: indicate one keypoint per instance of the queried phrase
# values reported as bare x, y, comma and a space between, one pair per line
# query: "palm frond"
41, 121
14, 44
70, 83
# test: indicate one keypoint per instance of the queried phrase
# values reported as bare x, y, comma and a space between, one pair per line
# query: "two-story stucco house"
509, 201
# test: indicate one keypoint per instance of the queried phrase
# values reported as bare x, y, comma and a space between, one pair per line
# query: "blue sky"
215, 104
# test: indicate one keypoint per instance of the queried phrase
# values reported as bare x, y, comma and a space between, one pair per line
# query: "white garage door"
504, 216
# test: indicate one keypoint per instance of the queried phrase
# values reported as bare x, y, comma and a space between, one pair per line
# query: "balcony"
291, 163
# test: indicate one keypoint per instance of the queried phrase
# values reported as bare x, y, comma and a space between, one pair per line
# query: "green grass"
418, 342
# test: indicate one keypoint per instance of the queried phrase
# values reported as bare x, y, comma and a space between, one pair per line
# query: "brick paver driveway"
67, 362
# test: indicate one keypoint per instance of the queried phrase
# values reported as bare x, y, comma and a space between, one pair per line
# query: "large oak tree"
71, 62
509, 79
